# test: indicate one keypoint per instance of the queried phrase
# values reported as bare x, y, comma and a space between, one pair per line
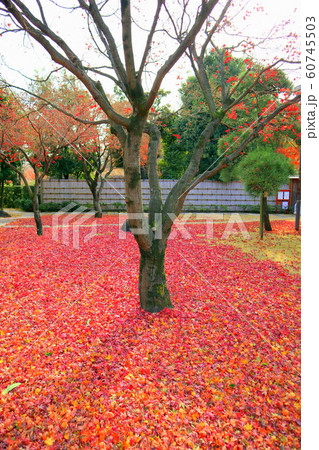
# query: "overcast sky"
22, 54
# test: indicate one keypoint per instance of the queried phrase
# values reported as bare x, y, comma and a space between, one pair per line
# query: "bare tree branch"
38, 31
42, 12
149, 39
127, 44
108, 40
187, 41
214, 28
202, 78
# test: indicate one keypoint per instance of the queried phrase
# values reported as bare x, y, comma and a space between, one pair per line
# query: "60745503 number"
310, 47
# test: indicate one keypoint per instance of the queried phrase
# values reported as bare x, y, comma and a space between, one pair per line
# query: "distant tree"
96, 159
6, 175
36, 133
91, 156
179, 134
180, 131
66, 164
263, 171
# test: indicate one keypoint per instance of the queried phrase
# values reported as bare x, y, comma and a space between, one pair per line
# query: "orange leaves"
293, 153
232, 115
49, 441
40, 131
97, 372
127, 110
231, 79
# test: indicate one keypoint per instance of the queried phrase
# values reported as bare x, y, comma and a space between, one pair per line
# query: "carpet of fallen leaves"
283, 245
82, 367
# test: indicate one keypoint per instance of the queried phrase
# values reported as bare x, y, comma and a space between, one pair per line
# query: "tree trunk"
97, 206
261, 218
1, 195
266, 220
36, 212
297, 218
154, 294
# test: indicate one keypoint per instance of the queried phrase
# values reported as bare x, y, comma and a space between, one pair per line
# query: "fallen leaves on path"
220, 371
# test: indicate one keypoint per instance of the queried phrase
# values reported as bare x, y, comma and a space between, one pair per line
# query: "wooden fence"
207, 196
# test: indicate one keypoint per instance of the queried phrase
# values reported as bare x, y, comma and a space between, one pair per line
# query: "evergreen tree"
263, 171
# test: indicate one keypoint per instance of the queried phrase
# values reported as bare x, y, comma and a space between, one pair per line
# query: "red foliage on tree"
35, 133
293, 153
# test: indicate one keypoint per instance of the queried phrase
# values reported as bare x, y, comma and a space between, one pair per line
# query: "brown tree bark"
97, 206
153, 290
36, 211
266, 219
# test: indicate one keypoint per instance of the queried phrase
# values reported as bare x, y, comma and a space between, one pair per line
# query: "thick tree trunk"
266, 220
97, 206
133, 188
154, 294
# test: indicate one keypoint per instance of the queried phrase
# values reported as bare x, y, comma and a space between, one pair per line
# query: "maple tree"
97, 164
92, 152
66, 165
192, 28
36, 133
7, 174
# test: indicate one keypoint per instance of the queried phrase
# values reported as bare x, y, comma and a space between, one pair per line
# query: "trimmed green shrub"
15, 195
27, 205
50, 207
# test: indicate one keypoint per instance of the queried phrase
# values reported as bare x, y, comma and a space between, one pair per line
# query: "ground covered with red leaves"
83, 367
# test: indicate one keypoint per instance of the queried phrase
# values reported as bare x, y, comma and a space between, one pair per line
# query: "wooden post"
297, 218
261, 218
